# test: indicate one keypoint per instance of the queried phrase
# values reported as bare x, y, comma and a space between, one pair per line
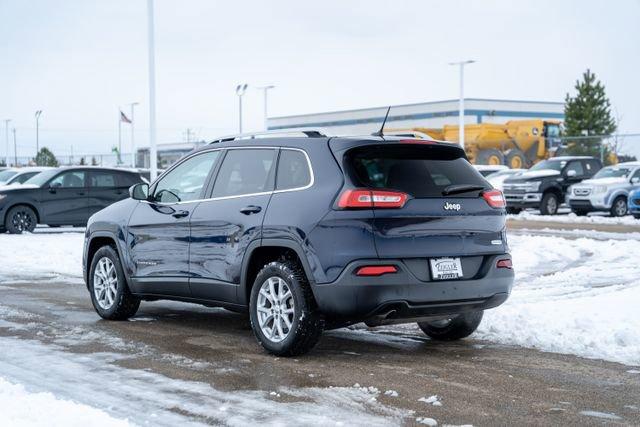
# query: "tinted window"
71, 179
293, 170
20, 179
244, 172
419, 171
6, 175
127, 179
102, 179
575, 166
186, 181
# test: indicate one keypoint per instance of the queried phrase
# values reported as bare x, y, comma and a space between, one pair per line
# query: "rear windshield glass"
421, 171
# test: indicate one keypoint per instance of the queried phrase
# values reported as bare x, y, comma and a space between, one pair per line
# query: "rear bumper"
403, 296
523, 200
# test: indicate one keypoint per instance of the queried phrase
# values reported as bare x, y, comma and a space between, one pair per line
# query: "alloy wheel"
105, 283
620, 208
275, 309
22, 221
552, 205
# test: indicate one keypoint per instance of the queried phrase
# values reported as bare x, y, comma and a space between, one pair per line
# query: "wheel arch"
94, 242
22, 203
258, 253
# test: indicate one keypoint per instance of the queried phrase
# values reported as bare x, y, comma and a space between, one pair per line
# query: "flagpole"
119, 132
153, 150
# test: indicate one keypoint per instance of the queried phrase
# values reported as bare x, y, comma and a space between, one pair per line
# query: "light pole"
240, 90
461, 64
6, 136
133, 143
153, 149
15, 149
38, 114
264, 90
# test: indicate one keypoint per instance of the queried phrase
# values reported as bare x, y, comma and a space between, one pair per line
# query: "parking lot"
184, 363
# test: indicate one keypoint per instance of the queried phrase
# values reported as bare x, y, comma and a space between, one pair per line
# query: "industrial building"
424, 114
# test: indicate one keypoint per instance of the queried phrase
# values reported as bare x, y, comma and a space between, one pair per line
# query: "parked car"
496, 179
545, 185
486, 170
307, 234
634, 203
62, 196
19, 175
607, 191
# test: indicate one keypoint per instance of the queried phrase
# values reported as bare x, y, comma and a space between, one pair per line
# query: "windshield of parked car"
502, 173
41, 178
613, 172
555, 165
6, 175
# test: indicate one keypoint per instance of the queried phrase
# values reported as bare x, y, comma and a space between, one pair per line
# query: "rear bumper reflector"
376, 270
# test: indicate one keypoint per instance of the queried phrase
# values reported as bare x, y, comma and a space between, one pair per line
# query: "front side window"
71, 179
186, 181
293, 170
245, 171
575, 166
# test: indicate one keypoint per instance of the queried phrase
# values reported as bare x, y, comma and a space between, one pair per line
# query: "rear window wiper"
461, 188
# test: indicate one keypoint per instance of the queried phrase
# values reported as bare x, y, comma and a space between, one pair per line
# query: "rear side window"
102, 179
245, 171
293, 170
127, 179
420, 171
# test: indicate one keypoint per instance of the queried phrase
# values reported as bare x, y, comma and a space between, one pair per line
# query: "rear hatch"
427, 200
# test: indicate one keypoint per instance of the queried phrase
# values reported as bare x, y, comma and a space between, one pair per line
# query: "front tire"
110, 293
513, 211
549, 204
619, 206
21, 219
458, 327
283, 312
579, 212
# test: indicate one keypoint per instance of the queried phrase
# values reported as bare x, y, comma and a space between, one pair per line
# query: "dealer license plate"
445, 268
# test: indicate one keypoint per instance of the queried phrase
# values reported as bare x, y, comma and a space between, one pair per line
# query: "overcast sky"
79, 60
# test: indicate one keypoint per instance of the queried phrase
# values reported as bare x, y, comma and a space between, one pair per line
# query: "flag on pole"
124, 118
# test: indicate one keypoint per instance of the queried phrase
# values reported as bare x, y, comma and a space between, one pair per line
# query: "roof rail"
308, 132
408, 134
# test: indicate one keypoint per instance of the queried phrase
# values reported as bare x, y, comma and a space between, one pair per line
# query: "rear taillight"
376, 270
494, 198
504, 263
371, 199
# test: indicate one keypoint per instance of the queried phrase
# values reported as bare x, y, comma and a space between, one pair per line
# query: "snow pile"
21, 408
431, 400
572, 218
572, 296
32, 255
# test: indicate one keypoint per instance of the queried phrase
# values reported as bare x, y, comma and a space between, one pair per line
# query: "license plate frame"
446, 268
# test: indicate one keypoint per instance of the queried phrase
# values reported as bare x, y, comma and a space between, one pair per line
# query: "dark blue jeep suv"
309, 233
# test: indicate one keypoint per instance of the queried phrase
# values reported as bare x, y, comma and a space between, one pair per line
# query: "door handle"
251, 209
180, 214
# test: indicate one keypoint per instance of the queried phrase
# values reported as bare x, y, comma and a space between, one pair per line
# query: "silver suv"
607, 191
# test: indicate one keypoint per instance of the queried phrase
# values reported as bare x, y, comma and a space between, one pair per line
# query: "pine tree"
46, 158
587, 114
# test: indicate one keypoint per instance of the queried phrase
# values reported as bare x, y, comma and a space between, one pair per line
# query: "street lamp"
38, 114
461, 64
6, 136
264, 90
133, 144
153, 149
240, 90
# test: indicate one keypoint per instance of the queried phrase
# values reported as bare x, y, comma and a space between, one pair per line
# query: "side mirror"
139, 191
571, 173
55, 185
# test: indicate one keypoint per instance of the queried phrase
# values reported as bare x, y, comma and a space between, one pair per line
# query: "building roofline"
414, 105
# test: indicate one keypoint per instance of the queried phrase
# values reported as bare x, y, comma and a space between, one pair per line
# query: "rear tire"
21, 219
108, 287
283, 312
579, 212
455, 328
636, 216
619, 206
516, 159
491, 157
549, 204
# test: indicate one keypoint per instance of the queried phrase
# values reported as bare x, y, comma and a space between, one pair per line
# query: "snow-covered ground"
20, 408
571, 218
